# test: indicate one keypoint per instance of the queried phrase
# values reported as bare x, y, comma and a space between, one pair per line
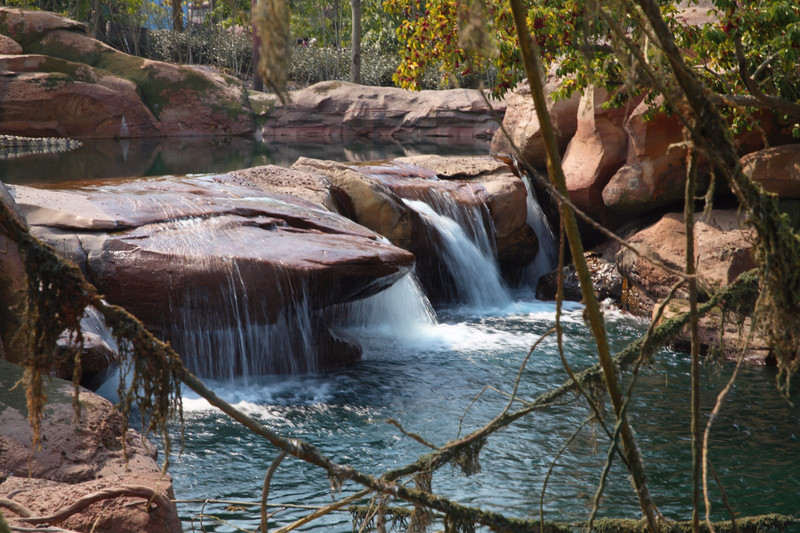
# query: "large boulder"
184, 100
777, 169
168, 250
336, 109
9, 46
524, 130
475, 182
78, 458
595, 153
480, 193
723, 250
50, 96
367, 201
654, 174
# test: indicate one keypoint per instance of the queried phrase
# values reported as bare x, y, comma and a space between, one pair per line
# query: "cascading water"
547, 258
229, 342
474, 269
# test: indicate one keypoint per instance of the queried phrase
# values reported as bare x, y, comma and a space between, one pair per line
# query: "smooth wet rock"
335, 110
723, 250
79, 458
169, 249
523, 126
370, 202
185, 101
777, 169
598, 149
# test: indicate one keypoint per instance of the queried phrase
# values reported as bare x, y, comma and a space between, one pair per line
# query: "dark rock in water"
78, 458
606, 281
206, 254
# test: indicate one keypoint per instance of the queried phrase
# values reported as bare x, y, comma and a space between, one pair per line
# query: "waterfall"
546, 259
469, 258
217, 336
399, 311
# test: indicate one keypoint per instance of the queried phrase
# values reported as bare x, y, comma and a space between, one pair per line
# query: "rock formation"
78, 459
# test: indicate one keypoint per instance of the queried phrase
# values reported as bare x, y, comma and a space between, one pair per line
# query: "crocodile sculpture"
12, 146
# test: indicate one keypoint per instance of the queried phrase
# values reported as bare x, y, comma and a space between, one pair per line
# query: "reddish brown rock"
723, 250
777, 169
335, 110
654, 174
598, 149
168, 249
77, 459
523, 127
9, 46
371, 203
186, 101
45, 96
281, 181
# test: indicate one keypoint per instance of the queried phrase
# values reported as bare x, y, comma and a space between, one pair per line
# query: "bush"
309, 65
228, 49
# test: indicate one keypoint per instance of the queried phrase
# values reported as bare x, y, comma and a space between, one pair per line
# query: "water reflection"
129, 158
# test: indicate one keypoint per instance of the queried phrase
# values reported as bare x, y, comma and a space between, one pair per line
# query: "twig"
265, 490
324, 510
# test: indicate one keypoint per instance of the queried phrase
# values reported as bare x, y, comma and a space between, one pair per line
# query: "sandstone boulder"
723, 250
168, 250
474, 182
777, 169
335, 110
654, 174
523, 127
77, 459
48, 96
369, 202
9, 46
185, 101
595, 153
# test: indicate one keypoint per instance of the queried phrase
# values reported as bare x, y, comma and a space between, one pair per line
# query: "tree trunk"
355, 43
258, 82
177, 15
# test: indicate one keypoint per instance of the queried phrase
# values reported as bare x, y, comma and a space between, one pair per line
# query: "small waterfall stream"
547, 258
474, 269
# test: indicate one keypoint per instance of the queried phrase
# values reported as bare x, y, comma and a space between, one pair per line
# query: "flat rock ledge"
77, 459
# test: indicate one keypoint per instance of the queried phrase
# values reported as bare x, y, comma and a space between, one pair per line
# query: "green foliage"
574, 36
230, 50
309, 65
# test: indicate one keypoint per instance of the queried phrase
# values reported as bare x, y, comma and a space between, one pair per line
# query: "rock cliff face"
59, 81
78, 459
